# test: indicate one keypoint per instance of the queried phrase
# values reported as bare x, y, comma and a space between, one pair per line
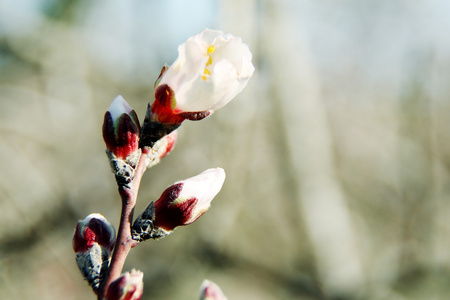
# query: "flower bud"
211, 69
185, 201
93, 242
121, 129
129, 286
211, 291
162, 148
93, 229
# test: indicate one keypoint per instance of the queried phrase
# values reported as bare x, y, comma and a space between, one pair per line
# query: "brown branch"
124, 241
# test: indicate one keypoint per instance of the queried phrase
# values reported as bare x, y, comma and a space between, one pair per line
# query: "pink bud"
93, 229
93, 242
121, 129
185, 201
211, 291
129, 286
162, 148
167, 144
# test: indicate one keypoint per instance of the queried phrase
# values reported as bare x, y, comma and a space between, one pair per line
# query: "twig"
124, 241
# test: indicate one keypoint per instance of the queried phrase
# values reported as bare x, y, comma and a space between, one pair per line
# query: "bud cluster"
211, 69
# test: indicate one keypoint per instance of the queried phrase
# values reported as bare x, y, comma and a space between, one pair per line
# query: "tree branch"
124, 242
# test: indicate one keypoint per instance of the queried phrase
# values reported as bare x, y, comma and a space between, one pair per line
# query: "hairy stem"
124, 241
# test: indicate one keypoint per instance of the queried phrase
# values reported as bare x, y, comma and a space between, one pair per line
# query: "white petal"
118, 107
94, 216
247, 67
209, 36
198, 96
226, 84
105, 222
205, 186
187, 68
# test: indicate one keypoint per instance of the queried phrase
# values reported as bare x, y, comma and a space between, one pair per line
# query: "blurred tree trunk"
321, 201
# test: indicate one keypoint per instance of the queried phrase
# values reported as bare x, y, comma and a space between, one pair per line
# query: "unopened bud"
121, 128
185, 201
129, 286
211, 291
180, 204
93, 242
94, 229
162, 148
121, 131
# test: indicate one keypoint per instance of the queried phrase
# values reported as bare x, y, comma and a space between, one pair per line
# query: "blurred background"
337, 153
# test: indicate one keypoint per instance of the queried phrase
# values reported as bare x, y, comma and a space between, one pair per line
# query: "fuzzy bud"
162, 148
129, 286
211, 291
121, 131
93, 241
185, 201
94, 229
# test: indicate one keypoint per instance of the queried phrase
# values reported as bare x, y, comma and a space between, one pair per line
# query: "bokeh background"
337, 153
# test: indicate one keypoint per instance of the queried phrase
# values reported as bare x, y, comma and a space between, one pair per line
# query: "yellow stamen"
206, 74
209, 62
210, 49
